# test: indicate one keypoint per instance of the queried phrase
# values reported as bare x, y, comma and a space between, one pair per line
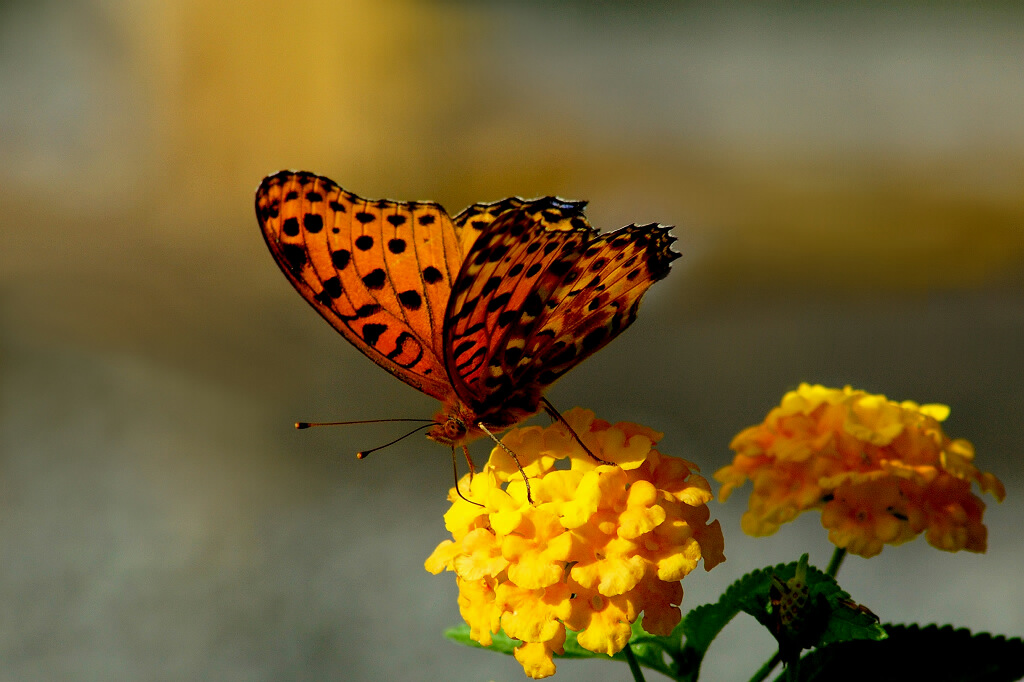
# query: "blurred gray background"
847, 186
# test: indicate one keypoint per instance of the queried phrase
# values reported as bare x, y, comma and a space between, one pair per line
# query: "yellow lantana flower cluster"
599, 544
881, 472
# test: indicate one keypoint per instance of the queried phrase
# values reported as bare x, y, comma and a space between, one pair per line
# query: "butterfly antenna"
455, 473
362, 454
306, 425
557, 416
511, 454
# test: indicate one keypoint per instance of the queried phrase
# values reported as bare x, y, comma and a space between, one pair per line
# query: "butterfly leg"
472, 468
515, 458
455, 473
557, 416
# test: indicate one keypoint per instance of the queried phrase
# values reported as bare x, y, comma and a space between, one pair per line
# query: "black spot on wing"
368, 310
594, 339
559, 267
371, 332
499, 301
533, 305
462, 348
432, 275
375, 279
333, 287
564, 355
547, 377
401, 343
294, 256
507, 317
410, 300
313, 222
498, 252
340, 258
491, 285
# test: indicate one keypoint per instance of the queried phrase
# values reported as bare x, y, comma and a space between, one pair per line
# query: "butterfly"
482, 311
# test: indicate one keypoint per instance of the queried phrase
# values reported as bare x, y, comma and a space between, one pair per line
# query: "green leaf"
936, 654
846, 619
701, 625
648, 649
500, 642
849, 621
750, 594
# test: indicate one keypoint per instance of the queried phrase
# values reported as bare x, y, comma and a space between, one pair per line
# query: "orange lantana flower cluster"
881, 472
599, 544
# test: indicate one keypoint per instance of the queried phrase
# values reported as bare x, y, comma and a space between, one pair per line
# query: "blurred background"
846, 182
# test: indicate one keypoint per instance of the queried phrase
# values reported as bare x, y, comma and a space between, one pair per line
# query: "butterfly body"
482, 311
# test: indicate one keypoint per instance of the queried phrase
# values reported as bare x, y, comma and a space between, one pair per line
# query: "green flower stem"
793, 671
634, 666
836, 562
767, 668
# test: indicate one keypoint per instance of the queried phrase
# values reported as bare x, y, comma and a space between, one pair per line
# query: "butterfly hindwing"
531, 302
595, 302
379, 271
554, 214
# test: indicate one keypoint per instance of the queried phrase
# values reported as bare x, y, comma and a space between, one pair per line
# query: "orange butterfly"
482, 311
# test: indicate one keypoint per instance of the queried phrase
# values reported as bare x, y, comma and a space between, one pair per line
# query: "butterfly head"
449, 428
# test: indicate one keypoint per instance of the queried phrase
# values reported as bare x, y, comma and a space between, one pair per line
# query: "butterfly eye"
454, 428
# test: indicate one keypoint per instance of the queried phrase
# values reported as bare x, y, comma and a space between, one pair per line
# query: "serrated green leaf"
701, 625
750, 594
910, 652
846, 623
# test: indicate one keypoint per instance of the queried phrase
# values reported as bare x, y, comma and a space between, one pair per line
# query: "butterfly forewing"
379, 271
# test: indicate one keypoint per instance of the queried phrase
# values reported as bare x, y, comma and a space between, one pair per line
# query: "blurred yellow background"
846, 182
